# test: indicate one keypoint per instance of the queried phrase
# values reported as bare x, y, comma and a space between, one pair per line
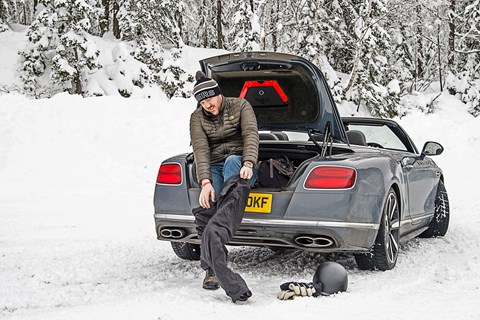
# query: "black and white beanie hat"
205, 87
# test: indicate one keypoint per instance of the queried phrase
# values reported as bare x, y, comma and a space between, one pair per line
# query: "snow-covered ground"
77, 238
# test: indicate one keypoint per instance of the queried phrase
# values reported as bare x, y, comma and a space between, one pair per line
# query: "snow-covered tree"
309, 43
7, 8
154, 28
420, 32
471, 96
205, 23
311, 40
206, 28
160, 20
281, 31
127, 73
60, 45
3, 26
172, 77
379, 48
469, 34
368, 76
271, 14
403, 55
466, 81
245, 28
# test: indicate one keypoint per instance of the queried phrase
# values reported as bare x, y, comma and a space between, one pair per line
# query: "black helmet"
332, 276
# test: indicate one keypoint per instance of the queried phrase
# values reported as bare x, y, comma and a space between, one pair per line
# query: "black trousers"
216, 227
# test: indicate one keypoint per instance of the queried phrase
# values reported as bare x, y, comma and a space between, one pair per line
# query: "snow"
394, 86
77, 238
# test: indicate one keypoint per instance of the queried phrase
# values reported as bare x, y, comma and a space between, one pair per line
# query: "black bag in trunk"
275, 172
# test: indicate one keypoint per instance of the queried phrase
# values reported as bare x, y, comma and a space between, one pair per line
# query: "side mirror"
432, 148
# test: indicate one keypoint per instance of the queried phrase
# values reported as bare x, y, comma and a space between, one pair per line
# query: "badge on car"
259, 203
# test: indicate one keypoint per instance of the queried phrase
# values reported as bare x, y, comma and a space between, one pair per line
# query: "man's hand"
246, 172
205, 195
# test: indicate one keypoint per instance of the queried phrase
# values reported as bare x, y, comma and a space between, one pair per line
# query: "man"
224, 137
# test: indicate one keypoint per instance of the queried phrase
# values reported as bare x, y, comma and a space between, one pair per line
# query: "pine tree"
469, 37
367, 84
245, 30
59, 44
7, 8
469, 55
286, 24
282, 33
402, 56
206, 28
311, 43
421, 31
113, 14
270, 14
155, 30
308, 39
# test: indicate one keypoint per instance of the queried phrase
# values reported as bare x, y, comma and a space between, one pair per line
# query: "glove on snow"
286, 295
301, 289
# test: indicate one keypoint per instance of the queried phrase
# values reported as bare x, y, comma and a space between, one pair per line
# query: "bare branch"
468, 51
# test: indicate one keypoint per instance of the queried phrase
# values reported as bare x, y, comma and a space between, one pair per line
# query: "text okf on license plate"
259, 202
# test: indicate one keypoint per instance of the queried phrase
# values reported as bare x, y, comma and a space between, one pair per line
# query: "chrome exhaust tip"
178, 233
314, 242
173, 233
166, 233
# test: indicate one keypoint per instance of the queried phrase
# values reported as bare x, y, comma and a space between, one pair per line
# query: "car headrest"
356, 137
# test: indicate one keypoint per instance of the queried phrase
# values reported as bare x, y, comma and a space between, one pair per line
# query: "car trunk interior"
299, 158
300, 154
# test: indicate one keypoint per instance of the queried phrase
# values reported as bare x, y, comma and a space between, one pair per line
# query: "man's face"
212, 104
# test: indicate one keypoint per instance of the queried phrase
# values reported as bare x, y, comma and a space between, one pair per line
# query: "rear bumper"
322, 236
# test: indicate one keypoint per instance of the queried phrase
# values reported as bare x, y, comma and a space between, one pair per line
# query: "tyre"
384, 253
441, 218
186, 251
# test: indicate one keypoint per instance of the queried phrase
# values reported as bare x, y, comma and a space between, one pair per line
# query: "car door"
420, 176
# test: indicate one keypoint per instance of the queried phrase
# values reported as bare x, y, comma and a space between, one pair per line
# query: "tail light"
170, 173
329, 177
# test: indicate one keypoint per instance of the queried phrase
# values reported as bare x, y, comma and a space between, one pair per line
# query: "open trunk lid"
287, 92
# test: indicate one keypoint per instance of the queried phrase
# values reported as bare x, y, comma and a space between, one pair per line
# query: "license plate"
259, 202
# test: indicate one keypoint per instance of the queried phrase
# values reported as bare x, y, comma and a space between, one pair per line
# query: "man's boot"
210, 282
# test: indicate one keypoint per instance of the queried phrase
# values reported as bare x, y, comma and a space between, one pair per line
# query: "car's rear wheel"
186, 251
384, 253
439, 225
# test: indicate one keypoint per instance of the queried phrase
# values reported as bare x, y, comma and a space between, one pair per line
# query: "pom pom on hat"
199, 75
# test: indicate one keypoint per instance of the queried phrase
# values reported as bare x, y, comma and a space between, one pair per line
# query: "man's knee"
232, 166
233, 161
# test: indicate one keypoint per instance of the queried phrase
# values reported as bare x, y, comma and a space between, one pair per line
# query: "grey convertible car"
359, 185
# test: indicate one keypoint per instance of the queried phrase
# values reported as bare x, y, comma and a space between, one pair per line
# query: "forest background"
372, 52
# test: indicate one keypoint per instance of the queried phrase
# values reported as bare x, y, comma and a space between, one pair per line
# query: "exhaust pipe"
173, 233
314, 242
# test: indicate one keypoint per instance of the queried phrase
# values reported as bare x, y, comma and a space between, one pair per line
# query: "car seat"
356, 137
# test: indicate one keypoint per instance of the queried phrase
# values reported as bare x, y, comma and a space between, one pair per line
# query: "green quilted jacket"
214, 138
